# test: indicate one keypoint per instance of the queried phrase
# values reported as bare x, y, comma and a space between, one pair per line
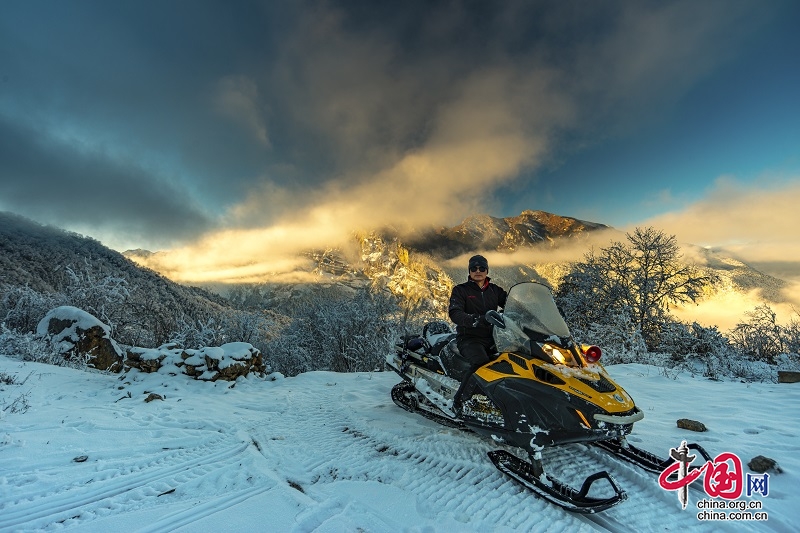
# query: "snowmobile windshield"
530, 315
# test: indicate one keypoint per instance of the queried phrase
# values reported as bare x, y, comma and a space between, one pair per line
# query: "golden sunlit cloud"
754, 223
425, 143
477, 142
727, 309
757, 222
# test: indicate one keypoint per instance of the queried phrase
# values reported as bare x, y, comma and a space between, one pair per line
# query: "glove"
477, 320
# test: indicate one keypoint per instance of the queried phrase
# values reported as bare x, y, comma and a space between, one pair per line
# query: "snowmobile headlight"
554, 353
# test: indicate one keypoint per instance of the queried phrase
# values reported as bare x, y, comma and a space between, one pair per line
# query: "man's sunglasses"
476, 268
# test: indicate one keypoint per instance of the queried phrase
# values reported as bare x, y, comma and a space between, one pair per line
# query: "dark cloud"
138, 76
261, 109
55, 181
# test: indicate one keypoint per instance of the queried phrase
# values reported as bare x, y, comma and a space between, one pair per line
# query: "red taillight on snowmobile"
592, 353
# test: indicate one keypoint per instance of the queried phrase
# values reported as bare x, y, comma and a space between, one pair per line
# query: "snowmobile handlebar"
495, 318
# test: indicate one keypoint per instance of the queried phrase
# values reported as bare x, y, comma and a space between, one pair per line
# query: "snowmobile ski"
554, 490
641, 458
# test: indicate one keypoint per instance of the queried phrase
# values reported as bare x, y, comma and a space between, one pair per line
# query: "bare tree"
643, 277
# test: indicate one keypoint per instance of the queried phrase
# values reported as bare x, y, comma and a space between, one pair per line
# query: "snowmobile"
542, 390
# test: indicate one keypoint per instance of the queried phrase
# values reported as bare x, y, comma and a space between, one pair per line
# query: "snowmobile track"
403, 388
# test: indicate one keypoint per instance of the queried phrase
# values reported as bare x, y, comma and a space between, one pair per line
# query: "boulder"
763, 464
75, 333
144, 359
166, 359
691, 425
226, 362
212, 363
788, 376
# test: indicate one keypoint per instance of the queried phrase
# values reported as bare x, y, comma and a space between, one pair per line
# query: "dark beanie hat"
477, 261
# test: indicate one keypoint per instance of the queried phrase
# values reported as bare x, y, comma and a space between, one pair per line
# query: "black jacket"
468, 301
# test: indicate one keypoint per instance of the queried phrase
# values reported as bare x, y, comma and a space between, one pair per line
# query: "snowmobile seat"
457, 367
438, 327
437, 334
413, 343
438, 342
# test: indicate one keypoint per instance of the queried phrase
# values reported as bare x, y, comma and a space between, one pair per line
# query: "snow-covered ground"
329, 452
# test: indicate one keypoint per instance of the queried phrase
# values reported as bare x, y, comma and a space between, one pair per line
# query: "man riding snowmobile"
469, 303
543, 389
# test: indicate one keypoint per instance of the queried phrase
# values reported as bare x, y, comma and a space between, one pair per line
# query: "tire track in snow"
196, 513
106, 465
337, 515
446, 470
72, 501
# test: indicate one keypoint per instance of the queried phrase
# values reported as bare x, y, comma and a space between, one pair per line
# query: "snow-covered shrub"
21, 308
253, 327
197, 333
761, 337
683, 340
791, 334
706, 351
20, 403
336, 329
102, 296
32, 347
245, 326
618, 337
290, 352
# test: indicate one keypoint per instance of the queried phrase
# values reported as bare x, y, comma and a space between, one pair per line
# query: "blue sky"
228, 130
740, 119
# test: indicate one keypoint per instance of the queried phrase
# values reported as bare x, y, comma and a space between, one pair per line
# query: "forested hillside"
38, 256
41, 265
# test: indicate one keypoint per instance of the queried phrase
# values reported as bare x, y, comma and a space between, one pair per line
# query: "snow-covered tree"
646, 276
197, 333
21, 308
761, 337
792, 335
104, 296
338, 329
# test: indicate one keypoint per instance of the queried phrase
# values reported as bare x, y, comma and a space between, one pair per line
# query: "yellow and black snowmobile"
541, 390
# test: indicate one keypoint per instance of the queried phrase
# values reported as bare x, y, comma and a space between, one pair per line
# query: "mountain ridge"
500, 234
35, 256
